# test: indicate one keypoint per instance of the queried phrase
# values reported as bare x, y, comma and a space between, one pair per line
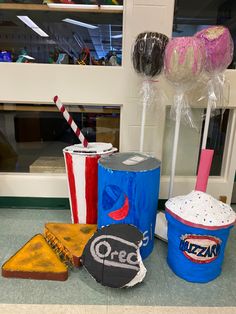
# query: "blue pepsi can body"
195, 254
128, 191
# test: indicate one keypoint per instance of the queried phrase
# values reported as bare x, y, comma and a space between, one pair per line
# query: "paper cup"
128, 190
82, 173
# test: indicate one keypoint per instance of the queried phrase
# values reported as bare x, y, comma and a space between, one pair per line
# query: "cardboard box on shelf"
108, 130
48, 164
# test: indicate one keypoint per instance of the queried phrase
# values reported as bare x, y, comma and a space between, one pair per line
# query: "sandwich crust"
69, 240
35, 260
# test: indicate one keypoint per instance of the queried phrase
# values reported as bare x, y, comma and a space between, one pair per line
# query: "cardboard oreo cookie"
112, 256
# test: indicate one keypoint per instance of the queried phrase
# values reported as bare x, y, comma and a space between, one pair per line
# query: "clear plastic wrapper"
147, 58
214, 91
181, 108
148, 53
219, 54
218, 88
219, 48
183, 64
152, 95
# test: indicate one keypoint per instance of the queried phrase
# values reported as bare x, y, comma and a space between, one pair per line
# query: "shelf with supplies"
114, 9
57, 33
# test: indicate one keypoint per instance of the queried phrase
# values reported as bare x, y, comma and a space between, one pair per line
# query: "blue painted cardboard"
191, 261
130, 195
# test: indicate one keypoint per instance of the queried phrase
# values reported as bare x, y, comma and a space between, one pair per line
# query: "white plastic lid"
199, 208
94, 148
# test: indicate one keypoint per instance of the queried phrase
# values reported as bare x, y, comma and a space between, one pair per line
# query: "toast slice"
35, 260
69, 240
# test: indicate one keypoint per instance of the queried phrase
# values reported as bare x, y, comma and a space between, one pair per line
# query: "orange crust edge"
35, 275
62, 276
60, 249
76, 261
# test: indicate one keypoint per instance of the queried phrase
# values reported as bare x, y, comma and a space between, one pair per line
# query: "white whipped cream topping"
201, 208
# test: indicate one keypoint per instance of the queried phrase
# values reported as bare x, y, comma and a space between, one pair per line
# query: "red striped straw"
70, 121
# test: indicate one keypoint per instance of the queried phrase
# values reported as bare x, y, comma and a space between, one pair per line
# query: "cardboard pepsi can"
198, 230
128, 191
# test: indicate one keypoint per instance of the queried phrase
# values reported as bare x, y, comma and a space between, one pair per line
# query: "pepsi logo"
115, 202
200, 248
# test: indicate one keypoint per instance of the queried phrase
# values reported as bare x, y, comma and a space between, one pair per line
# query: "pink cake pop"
183, 63
219, 52
219, 48
184, 60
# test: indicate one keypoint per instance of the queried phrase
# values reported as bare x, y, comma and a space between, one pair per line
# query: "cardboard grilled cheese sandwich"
35, 260
69, 240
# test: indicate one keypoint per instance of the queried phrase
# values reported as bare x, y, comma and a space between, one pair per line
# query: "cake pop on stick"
70, 121
183, 63
219, 54
147, 58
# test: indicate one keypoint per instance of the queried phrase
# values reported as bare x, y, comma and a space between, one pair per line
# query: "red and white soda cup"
82, 174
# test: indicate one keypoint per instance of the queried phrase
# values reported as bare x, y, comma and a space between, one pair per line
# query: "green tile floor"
160, 287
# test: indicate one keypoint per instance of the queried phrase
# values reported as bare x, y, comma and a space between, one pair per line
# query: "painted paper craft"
128, 189
112, 256
198, 229
148, 53
69, 240
147, 58
70, 121
219, 54
204, 169
35, 260
219, 47
82, 173
183, 63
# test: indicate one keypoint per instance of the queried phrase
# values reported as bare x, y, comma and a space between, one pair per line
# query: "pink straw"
204, 169
70, 121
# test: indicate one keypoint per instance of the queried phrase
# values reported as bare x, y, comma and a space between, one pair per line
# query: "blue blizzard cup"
195, 254
198, 229
128, 190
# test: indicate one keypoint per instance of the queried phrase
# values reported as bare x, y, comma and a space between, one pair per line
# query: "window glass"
32, 137
191, 16
190, 141
57, 32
